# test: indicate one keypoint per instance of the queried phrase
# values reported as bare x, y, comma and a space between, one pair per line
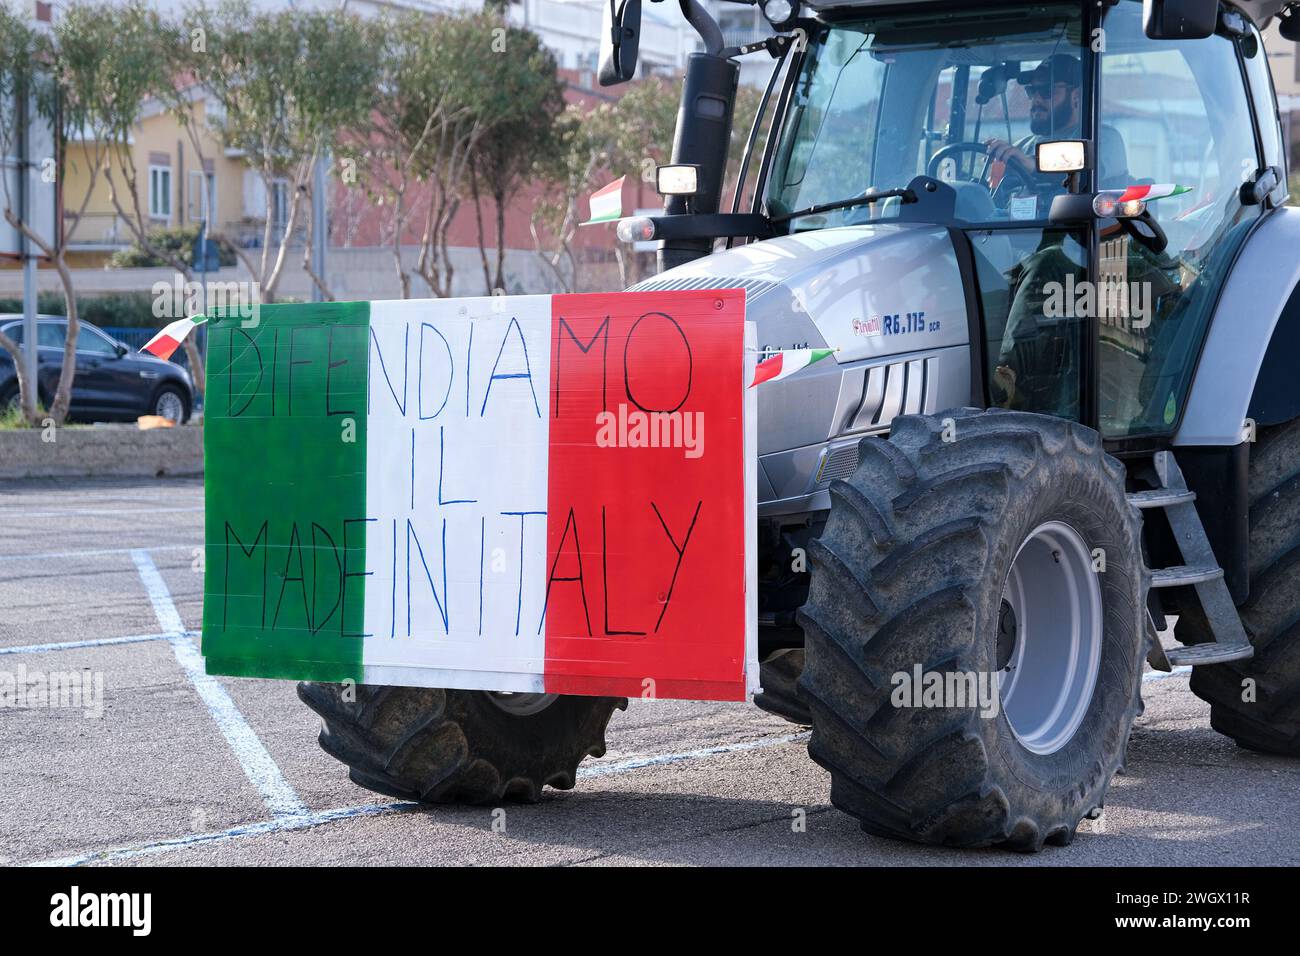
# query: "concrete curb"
101, 451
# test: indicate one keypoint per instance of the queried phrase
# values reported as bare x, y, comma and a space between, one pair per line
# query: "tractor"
1047, 241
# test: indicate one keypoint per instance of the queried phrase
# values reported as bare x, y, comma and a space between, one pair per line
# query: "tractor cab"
1019, 126
1020, 108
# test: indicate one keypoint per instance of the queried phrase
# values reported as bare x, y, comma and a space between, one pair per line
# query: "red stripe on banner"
1135, 192
614, 187
767, 370
164, 346
646, 545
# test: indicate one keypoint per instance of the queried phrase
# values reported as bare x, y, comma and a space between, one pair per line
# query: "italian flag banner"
786, 363
1152, 193
530, 494
607, 203
170, 337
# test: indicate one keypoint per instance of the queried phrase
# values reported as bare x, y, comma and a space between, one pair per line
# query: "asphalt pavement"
102, 579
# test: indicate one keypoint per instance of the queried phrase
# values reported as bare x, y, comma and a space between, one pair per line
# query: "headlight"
635, 229
1111, 205
677, 180
781, 13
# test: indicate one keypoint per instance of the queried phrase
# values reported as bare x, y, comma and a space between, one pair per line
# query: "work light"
635, 229
781, 14
1112, 205
1062, 156
677, 180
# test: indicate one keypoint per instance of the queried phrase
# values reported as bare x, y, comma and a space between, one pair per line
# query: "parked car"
113, 382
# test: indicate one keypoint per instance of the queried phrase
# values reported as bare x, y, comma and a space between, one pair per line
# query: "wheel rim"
169, 406
521, 705
1049, 638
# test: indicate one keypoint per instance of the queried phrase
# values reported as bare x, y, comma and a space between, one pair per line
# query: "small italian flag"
784, 364
1152, 193
607, 203
166, 342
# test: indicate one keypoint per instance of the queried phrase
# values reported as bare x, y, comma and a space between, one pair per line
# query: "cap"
1058, 68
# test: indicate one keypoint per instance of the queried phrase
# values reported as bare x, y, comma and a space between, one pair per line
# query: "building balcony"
96, 232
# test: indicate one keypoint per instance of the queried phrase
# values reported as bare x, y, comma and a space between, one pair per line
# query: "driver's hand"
1000, 151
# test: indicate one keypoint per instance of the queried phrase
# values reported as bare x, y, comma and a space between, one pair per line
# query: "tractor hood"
888, 296
868, 291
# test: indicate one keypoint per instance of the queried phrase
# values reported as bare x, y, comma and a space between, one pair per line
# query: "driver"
1055, 89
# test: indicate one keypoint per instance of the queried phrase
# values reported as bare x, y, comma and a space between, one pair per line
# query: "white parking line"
96, 642
257, 763
659, 760
94, 553
75, 512
306, 821
303, 821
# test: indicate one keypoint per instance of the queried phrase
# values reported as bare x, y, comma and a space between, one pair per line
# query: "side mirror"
620, 38
1289, 27
1180, 19
120, 349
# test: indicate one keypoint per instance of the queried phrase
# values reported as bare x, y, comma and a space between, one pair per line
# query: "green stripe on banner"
285, 484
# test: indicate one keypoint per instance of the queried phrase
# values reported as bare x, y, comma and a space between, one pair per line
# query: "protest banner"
531, 494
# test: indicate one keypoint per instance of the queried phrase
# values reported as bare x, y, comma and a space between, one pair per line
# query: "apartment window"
160, 192
280, 202
202, 190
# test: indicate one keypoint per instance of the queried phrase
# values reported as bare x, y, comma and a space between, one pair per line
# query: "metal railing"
97, 230
111, 231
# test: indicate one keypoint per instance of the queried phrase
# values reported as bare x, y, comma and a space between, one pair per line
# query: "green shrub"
130, 309
178, 241
47, 303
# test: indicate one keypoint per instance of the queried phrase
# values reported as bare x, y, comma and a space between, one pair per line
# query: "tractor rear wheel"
990, 557
442, 746
1256, 702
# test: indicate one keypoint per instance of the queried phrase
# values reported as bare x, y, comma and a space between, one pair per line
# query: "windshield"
964, 96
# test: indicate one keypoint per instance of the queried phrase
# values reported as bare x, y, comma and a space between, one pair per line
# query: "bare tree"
461, 51
527, 101
62, 73
586, 145
419, 113
114, 60
289, 86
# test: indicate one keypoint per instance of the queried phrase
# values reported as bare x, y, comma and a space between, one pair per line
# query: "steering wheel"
953, 150
1154, 237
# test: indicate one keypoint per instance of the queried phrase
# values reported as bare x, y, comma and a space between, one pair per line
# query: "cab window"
1266, 115
880, 101
1182, 112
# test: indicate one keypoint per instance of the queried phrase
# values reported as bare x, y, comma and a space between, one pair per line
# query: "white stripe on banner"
456, 550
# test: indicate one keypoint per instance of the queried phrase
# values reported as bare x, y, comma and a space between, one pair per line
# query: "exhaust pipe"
703, 132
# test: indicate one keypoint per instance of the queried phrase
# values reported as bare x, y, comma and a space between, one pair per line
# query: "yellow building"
178, 172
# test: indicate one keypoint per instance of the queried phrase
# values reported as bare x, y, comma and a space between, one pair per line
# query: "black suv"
113, 383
